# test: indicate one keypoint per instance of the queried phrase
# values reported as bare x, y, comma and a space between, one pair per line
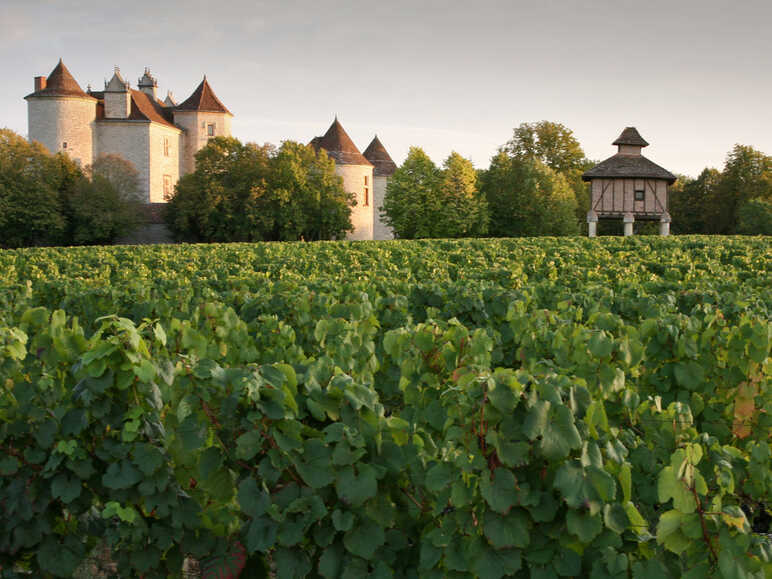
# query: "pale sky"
694, 76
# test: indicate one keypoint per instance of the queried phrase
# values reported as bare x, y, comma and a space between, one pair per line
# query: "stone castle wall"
54, 121
165, 146
361, 214
129, 139
196, 136
380, 229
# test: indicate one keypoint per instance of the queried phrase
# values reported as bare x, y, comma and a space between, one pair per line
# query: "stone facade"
64, 124
358, 179
380, 229
160, 138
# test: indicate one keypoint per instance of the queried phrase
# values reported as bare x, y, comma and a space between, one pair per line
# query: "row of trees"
532, 187
247, 192
47, 199
737, 199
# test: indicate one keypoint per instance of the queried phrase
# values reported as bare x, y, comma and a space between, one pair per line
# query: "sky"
694, 76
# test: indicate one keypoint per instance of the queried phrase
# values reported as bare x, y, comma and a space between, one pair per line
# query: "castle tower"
629, 186
117, 97
202, 116
384, 168
357, 174
61, 116
148, 84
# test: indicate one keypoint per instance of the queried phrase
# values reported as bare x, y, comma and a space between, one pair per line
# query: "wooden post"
628, 220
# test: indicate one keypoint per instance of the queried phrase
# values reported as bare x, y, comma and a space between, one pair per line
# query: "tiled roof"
339, 146
630, 136
143, 108
203, 99
376, 153
60, 83
628, 166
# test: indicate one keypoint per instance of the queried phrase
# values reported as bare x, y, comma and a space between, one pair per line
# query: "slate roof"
377, 154
628, 166
203, 99
339, 146
60, 83
630, 136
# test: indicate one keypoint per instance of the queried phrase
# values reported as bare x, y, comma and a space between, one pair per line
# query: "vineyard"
475, 408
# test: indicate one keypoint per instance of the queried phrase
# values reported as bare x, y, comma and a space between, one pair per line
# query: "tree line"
48, 199
248, 192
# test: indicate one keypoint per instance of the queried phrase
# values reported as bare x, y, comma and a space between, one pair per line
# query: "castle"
161, 138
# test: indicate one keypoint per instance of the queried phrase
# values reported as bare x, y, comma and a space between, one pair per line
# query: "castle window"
167, 186
64, 145
366, 183
367, 196
210, 130
639, 194
166, 146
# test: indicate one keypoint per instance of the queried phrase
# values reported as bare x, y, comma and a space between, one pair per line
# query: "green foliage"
554, 145
244, 192
47, 200
424, 201
488, 408
528, 198
754, 217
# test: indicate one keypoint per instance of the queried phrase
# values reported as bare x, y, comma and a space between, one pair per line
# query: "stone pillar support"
664, 224
592, 223
628, 220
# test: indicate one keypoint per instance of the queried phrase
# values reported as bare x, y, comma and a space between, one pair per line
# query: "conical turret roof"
60, 83
631, 136
377, 154
339, 146
203, 99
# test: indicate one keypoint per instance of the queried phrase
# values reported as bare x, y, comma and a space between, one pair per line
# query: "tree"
411, 206
245, 192
527, 198
464, 211
554, 145
105, 206
754, 217
425, 201
689, 199
312, 202
225, 198
31, 181
747, 175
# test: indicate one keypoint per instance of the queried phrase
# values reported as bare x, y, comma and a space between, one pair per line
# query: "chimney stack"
40, 83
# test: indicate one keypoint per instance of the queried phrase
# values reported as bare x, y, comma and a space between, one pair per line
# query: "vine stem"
412, 498
701, 512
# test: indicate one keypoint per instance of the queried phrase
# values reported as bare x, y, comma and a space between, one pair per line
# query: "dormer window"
640, 195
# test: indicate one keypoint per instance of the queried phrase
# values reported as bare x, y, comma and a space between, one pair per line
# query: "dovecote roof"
628, 166
631, 136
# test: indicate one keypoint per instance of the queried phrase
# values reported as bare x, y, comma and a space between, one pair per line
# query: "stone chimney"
40, 83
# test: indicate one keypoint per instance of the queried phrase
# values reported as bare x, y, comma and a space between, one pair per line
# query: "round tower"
61, 116
357, 175
384, 168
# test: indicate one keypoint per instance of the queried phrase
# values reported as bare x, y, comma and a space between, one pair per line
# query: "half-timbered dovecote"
629, 186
